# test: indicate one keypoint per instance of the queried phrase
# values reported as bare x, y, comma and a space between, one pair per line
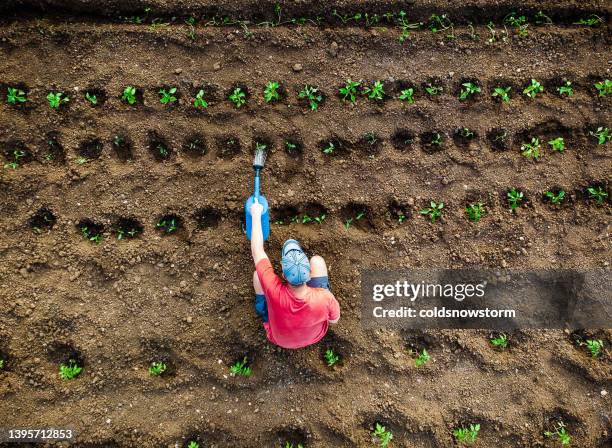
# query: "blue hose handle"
256, 183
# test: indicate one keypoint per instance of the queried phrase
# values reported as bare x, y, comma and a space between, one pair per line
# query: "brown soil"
185, 297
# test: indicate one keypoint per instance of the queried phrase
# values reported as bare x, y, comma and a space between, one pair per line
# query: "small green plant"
542, 19
401, 217
238, 97
566, 88
604, 88
167, 225
556, 198
129, 95
407, 95
70, 371
441, 22
533, 89
349, 90
168, 96
193, 444
469, 89
515, 198
81, 160
383, 435
1, 364
157, 368
375, 92
518, 22
241, 368
15, 96
56, 99
475, 211
592, 20
434, 211
433, 90
199, 101
468, 434
500, 341
329, 148
466, 133
129, 233
319, 219
601, 134
421, 358
560, 433
291, 445
331, 358
91, 235
437, 139
557, 144
595, 346
349, 222
18, 154
502, 92
532, 149
272, 92
597, 193
312, 95
92, 98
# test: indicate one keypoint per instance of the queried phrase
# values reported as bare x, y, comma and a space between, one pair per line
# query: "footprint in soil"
43, 219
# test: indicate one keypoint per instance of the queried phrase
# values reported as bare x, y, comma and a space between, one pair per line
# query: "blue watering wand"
258, 164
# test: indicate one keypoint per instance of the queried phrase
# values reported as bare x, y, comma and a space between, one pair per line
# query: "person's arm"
257, 240
334, 310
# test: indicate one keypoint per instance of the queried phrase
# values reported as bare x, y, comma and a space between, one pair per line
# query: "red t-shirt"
293, 322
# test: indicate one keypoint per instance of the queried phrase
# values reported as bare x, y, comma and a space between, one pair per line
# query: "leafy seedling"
157, 368
466, 133
128, 230
241, 368
56, 99
349, 90
92, 98
542, 19
70, 371
401, 218
329, 149
518, 22
601, 134
18, 154
16, 96
271, 92
1, 364
433, 90
406, 26
291, 445
556, 198
129, 95
421, 358
533, 89
168, 96
91, 235
566, 89
349, 222
598, 194
595, 347
515, 198
475, 211
407, 96
500, 341
468, 434
193, 444
434, 211
319, 219
604, 88
503, 93
199, 101
331, 358
592, 20
437, 139
557, 144
532, 149
168, 225
560, 433
383, 435
469, 89
439, 23
312, 95
375, 92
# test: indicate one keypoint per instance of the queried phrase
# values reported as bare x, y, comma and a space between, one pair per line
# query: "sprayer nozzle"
261, 151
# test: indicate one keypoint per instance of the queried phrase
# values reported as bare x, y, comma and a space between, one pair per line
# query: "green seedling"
123, 233
290, 146
557, 144
241, 368
291, 445
238, 97
190, 22
375, 92
468, 434
441, 22
604, 88
469, 89
14, 163
329, 149
520, 23
70, 371
199, 101
595, 346
406, 26
81, 160
475, 211
467, 133
559, 433
312, 95
592, 20
434, 211
56, 99
349, 222
556, 198
532, 149
407, 95
500, 341
533, 89
1, 364
515, 198
502, 92
370, 138
168, 96
421, 358
129, 95
598, 194
566, 88
15, 96
383, 435
331, 358
433, 90
162, 150
542, 19
401, 218
601, 134
271, 92
158, 23
157, 368
92, 98
437, 139
167, 225
89, 235
319, 219
193, 444
349, 91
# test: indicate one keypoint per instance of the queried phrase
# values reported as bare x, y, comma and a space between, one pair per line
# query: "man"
296, 313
